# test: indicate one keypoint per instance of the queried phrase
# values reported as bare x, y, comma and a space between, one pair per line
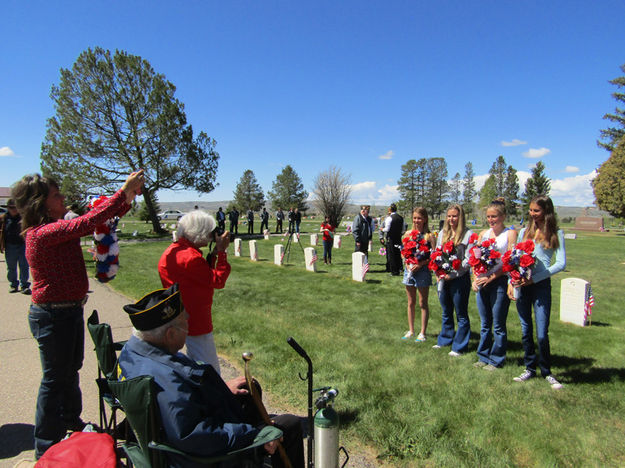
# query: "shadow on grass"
373, 281
600, 324
348, 417
16, 438
594, 375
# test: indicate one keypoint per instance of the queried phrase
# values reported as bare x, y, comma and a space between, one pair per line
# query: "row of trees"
424, 183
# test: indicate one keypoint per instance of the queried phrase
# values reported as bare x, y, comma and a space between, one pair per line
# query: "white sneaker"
553, 382
436, 346
525, 376
454, 354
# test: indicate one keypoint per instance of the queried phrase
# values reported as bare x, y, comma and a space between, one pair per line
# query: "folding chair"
106, 353
138, 400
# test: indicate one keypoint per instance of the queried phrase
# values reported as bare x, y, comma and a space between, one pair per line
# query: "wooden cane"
247, 357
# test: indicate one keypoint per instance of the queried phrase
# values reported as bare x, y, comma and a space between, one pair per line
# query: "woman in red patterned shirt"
59, 291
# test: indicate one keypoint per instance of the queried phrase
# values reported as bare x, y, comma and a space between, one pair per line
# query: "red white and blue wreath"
107, 247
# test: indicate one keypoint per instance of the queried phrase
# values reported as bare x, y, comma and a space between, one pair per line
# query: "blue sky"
361, 85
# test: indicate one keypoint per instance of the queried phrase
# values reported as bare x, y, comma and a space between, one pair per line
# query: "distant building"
5, 194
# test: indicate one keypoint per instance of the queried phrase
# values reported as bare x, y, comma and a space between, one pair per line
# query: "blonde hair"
460, 231
424, 214
499, 205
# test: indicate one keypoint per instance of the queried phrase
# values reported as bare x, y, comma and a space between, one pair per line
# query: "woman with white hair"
183, 263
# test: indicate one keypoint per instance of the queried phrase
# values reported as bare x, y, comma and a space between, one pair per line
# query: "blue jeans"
492, 303
539, 296
327, 250
15, 255
61, 338
455, 295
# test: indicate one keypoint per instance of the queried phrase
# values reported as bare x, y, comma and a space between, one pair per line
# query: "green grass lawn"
414, 405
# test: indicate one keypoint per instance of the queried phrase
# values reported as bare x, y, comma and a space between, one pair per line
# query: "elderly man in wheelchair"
200, 414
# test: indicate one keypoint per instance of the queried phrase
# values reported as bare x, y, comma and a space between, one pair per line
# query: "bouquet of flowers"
415, 247
484, 256
518, 262
445, 259
107, 247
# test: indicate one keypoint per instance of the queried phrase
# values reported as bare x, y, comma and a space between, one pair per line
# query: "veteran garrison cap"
155, 309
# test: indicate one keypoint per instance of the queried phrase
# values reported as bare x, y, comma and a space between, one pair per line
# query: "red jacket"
184, 264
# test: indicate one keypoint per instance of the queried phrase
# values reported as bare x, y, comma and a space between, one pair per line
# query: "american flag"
590, 301
313, 259
255, 257
365, 269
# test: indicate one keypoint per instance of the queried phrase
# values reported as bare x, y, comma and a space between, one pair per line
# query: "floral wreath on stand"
107, 246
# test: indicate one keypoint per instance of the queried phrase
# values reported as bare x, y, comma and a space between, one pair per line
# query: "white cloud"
6, 151
535, 153
515, 142
368, 192
571, 169
388, 155
573, 191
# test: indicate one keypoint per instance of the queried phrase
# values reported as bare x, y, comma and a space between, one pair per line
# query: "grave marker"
337, 241
266, 234
310, 255
313, 239
589, 223
358, 266
278, 254
237, 247
253, 251
573, 294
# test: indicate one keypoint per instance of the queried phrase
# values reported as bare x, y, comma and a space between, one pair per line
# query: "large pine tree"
288, 191
537, 184
609, 185
248, 194
611, 136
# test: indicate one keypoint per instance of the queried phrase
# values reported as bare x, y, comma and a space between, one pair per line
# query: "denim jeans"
492, 303
455, 295
15, 255
327, 250
539, 296
61, 338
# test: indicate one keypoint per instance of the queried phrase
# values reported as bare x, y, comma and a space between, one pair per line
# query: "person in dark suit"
393, 229
250, 221
361, 230
233, 216
264, 220
291, 218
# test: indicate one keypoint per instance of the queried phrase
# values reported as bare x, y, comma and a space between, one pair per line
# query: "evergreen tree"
114, 115
609, 185
498, 171
468, 190
411, 185
537, 184
612, 135
248, 193
288, 191
488, 192
436, 185
511, 191
455, 189
144, 211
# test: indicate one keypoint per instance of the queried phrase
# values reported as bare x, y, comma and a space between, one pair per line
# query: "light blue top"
543, 268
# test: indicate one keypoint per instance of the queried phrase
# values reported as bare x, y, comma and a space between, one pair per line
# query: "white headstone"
570, 236
337, 241
237, 247
266, 234
573, 294
296, 237
313, 239
311, 259
253, 251
278, 254
370, 248
358, 264
174, 236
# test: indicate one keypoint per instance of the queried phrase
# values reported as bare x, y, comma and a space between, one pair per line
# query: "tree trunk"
156, 224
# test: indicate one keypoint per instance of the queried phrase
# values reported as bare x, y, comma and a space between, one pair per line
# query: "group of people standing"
493, 289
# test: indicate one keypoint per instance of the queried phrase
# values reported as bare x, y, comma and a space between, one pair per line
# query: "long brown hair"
424, 214
460, 232
30, 195
549, 233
